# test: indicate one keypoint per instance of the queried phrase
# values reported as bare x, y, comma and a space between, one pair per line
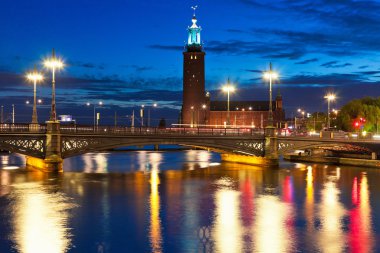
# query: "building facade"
252, 114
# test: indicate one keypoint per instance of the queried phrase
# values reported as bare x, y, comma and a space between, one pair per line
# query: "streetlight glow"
53, 64
330, 97
270, 76
34, 77
228, 88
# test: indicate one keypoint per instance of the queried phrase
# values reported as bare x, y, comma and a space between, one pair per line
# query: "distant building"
197, 107
246, 113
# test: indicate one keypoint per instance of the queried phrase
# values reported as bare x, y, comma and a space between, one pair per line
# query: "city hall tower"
195, 102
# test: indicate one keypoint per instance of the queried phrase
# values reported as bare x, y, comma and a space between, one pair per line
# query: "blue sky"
128, 53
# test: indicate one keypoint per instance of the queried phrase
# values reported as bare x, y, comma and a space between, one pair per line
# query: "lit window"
195, 57
191, 57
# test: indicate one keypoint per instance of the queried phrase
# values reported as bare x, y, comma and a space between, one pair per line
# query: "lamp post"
34, 77
54, 64
2, 114
192, 116
142, 115
13, 113
100, 103
153, 106
329, 97
204, 107
271, 76
228, 88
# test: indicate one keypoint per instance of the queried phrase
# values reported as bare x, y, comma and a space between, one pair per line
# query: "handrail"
101, 130
22, 128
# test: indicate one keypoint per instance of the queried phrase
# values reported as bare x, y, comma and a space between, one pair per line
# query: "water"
187, 201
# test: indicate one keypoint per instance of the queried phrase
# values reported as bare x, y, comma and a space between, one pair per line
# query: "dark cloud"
87, 65
363, 67
138, 68
307, 61
344, 27
167, 47
334, 64
254, 70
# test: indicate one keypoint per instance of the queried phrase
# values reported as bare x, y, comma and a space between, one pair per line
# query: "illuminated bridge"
46, 145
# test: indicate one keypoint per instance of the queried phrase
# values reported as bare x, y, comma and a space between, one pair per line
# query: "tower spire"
194, 9
194, 34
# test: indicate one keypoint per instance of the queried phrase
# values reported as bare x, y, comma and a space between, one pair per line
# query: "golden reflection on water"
331, 212
271, 228
155, 220
40, 220
309, 203
227, 229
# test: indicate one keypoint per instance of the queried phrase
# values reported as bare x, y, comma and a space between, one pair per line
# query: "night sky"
128, 53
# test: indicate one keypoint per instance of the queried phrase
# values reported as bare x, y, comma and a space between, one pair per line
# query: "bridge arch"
288, 146
73, 146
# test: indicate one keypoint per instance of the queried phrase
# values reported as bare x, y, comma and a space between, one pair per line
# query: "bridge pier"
53, 161
270, 152
271, 146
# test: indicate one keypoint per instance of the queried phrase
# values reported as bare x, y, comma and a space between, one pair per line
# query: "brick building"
199, 110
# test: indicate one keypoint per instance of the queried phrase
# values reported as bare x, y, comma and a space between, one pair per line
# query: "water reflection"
162, 206
331, 211
155, 221
227, 230
40, 220
360, 236
95, 162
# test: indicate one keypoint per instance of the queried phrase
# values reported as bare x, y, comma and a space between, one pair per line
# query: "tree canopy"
360, 114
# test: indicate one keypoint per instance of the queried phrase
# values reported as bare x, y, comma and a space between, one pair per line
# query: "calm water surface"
186, 201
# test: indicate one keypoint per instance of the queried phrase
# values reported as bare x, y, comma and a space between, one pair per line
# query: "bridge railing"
22, 128
112, 130
102, 130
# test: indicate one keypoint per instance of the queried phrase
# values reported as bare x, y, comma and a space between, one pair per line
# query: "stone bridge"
47, 145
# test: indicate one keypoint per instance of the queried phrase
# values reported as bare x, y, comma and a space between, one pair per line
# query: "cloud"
334, 64
87, 65
307, 61
138, 68
167, 47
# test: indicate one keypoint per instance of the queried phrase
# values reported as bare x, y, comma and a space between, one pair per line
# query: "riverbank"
334, 160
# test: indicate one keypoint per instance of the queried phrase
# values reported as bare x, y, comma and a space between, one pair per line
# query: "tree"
360, 114
316, 121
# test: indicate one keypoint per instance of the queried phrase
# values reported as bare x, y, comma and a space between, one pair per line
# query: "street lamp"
271, 76
153, 106
204, 107
329, 97
34, 77
192, 116
54, 64
142, 115
228, 88
100, 103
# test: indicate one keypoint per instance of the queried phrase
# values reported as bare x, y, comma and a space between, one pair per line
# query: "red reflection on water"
288, 189
360, 230
246, 200
354, 196
288, 192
